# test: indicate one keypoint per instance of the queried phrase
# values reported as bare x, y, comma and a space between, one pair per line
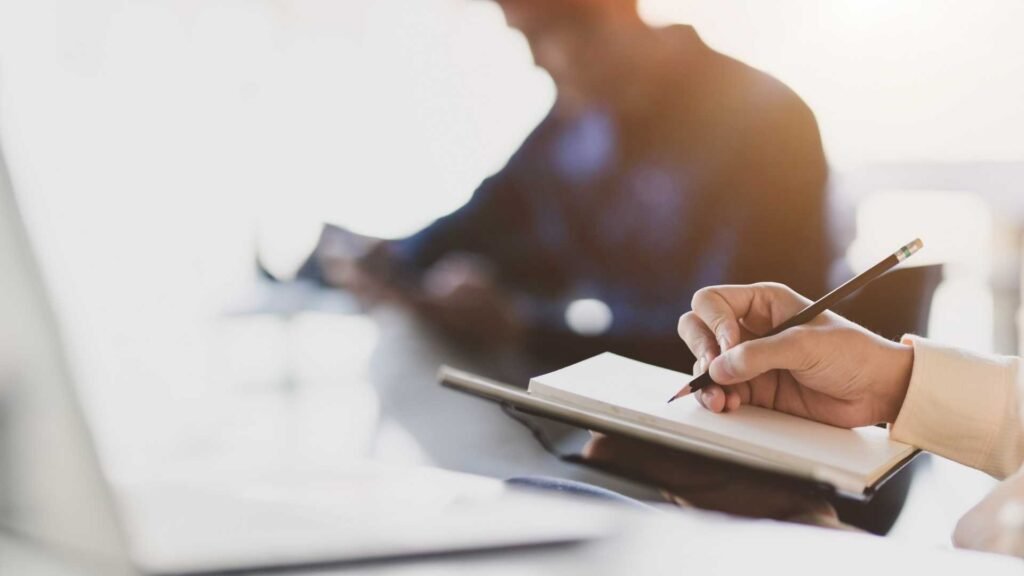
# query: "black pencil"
824, 303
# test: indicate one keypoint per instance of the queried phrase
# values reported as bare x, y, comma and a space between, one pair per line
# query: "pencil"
827, 301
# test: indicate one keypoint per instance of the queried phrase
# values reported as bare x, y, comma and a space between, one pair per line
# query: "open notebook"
619, 395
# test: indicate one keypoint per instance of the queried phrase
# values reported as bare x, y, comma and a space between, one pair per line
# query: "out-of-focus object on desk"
653, 544
279, 294
56, 496
371, 512
285, 301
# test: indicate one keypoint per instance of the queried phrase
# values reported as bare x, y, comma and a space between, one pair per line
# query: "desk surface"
655, 543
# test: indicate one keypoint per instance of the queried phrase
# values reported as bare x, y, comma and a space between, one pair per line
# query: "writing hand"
830, 370
351, 274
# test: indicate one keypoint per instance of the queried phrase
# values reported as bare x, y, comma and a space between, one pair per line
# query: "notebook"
624, 396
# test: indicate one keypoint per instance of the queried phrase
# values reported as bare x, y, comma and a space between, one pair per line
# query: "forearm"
964, 407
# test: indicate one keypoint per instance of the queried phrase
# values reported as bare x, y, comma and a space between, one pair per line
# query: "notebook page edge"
843, 480
800, 464
795, 462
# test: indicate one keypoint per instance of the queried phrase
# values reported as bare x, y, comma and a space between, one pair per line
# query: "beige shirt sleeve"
963, 406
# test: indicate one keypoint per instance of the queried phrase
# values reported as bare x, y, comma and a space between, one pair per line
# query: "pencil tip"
685, 391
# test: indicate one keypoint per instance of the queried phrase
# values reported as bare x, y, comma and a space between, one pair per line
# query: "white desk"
655, 544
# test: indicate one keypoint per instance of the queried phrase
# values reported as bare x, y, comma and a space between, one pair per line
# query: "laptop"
54, 492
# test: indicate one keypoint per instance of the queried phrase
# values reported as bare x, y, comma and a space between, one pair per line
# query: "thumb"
793, 350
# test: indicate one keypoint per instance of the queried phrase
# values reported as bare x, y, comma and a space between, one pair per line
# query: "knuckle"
778, 290
694, 334
700, 298
704, 307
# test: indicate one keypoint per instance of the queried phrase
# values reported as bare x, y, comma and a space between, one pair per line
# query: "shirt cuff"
962, 406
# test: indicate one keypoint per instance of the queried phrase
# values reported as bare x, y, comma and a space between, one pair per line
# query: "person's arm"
482, 226
470, 245
403, 267
955, 403
963, 406
497, 225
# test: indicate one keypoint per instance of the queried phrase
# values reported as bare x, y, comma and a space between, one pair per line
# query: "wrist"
901, 365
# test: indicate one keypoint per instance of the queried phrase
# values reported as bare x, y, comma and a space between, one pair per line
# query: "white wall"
890, 80
291, 111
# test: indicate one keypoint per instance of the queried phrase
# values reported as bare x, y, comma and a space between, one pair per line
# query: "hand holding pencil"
767, 346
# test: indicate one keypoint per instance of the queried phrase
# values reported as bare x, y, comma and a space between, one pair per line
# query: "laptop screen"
51, 485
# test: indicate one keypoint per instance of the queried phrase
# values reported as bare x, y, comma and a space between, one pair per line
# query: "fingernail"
723, 343
702, 365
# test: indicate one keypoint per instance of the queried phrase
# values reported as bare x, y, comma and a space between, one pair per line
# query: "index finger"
699, 339
760, 307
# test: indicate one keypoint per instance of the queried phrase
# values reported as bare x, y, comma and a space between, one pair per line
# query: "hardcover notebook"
623, 396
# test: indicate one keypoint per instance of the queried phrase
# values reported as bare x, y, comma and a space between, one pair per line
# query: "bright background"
159, 144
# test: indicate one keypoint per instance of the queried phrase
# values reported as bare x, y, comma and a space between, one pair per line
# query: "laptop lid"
53, 491
51, 487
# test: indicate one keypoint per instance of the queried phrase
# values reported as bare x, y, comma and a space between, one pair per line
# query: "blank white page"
636, 391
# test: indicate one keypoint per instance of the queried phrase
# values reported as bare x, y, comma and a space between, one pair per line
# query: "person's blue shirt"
721, 180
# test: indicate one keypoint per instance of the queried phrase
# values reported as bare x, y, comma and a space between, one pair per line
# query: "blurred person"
957, 404
662, 167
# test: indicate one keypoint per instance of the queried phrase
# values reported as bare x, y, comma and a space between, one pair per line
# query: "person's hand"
830, 370
691, 480
351, 261
461, 296
343, 271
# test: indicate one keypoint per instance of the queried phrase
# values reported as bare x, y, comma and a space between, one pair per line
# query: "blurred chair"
898, 303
